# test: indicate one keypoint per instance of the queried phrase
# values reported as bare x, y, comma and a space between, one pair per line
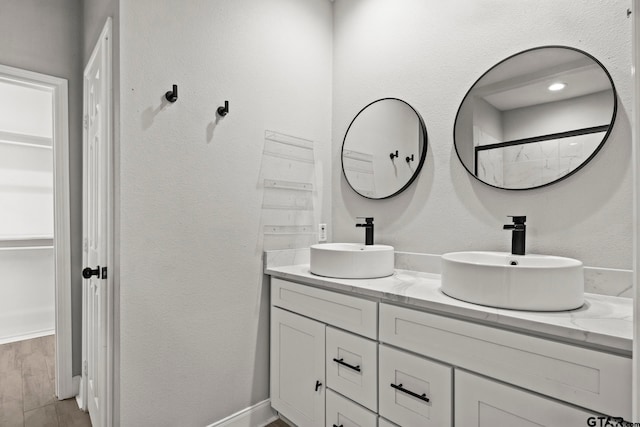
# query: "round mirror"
535, 118
384, 148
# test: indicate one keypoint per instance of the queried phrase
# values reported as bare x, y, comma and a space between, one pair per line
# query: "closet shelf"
35, 141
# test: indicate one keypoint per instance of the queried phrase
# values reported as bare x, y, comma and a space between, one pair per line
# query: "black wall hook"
392, 155
172, 95
409, 159
223, 111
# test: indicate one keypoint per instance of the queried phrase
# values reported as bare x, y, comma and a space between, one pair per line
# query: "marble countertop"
604, 322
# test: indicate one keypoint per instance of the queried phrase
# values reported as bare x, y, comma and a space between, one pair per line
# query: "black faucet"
368, 225
519, 234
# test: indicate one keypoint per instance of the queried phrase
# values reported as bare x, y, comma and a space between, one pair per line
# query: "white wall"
25, 110
194, 309
26, 192
429, 54
27, 294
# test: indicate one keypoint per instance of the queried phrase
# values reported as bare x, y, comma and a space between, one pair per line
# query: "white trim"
25, 248
28, 336
635, 147
24, 238
77, 380
62, 227
26, 144
258, 415
107, 33
62, 244
29, 79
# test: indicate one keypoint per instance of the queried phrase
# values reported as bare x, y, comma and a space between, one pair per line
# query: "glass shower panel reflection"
536, 163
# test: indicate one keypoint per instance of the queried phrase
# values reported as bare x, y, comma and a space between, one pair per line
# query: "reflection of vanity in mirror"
384, 148
535, 118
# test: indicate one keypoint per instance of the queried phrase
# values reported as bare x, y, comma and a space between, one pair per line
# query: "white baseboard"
77, 379
28, 336
258, 415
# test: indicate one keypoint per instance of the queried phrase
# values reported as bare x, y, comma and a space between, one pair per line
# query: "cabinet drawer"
343, 412
414, 391
587, 378
352, 367
344, 311
484, 403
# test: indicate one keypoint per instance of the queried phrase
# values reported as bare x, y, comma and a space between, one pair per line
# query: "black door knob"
87, 273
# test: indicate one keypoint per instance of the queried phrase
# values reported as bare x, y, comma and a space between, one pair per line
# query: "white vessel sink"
520, 282
351, 260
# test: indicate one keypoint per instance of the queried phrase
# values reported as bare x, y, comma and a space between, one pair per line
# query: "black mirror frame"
423, 155
604, 139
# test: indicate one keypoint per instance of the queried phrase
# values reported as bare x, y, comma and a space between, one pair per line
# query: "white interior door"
98, 292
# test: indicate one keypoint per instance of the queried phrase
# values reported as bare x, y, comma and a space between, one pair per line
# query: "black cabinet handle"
341, 362
337, 426
88, 272
399, 387
318, 384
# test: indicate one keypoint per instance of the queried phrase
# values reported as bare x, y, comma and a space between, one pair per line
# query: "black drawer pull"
337, 426
409, 392
341, 362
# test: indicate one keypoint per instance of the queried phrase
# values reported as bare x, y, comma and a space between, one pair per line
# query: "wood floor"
27, 399
27, 387
278, 423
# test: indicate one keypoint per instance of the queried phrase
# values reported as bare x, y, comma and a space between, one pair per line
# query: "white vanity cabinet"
384, 364
324, 356
587, 378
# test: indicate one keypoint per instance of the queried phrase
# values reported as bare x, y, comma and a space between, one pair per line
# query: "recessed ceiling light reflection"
554, 87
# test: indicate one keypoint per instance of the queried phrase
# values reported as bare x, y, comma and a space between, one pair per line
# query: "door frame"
58, 87
104, 44
635, 148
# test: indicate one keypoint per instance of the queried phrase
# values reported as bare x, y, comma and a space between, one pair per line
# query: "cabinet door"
297, 368
484, 403
414, 391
